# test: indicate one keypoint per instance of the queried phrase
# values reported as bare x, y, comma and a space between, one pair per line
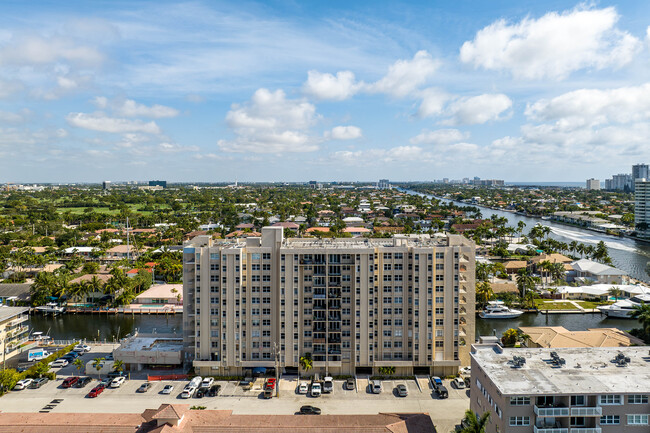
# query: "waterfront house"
584, 270
559, 336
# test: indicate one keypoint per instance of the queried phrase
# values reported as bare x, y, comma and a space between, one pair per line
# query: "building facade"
354, 304
14, 330
563, 390
593, 184
642, 207
640, 171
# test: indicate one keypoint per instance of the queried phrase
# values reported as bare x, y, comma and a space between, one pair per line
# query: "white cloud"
477, 109
10, 117
167, 147
271, 123
344, 133
326, 86
9, 87
392, 155
37, 50
130, 108
554, 45
405, 76
101, 122
440, 136
433, 102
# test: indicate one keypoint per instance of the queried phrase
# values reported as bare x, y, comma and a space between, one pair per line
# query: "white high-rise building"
642, 207
593, 184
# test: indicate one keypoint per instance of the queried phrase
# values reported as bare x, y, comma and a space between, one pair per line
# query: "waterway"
627, 254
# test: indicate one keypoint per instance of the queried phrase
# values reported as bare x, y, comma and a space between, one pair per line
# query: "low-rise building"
566, 390
150, 351
14, 330
588, 270
559, 336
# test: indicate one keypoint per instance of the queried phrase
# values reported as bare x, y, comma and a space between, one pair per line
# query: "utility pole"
276, 361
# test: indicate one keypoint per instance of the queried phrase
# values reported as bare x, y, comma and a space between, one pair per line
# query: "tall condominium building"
354, 304
620, 182
568, 390
593, 184
642, 207
383, 184
640, 171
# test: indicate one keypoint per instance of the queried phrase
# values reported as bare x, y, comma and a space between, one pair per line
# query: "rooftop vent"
556, 360
517, 361
621, 360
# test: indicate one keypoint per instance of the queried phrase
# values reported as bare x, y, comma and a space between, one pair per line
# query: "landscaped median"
9, 377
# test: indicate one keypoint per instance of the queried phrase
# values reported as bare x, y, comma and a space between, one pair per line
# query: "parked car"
114, 374
466, 371
144, 387
214, 391
459, 383
200, 392
442, 392
195, 382
83, 382
436, 382
109, 357
81, 348
188, 392
350, 384
71, 355
96, 391
309, 410
22, 384
117, 382
68, 382
106, 382
315, 390
270, 383
207, 382
328, 385
59, 363
303, 388
37, 383
375, 386
167, 389
247, 383
402, 391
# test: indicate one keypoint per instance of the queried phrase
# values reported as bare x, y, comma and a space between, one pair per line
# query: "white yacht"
498, 310
624, 307
50, 308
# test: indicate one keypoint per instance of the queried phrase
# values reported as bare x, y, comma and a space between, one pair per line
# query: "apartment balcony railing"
586, 430
551, 411
550, 430
320, 296
587, 411
18, 320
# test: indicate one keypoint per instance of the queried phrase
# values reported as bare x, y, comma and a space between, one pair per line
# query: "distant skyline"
274, 91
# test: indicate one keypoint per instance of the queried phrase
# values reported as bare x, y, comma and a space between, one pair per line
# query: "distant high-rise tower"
640, 171
642, 207
593, 184
162, 183
383, 184
106, 184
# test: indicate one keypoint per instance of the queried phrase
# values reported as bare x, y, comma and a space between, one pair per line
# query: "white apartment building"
642, 207
563, 390
593, 184
354, 304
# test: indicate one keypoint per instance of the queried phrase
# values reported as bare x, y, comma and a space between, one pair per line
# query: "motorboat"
498, 310
50, 308
625, 307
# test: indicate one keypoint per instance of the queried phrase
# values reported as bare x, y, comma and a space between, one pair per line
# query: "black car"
83, 382
213, 391
114, 374
442, 391
201, 392
144, 387
37, 383
309, 410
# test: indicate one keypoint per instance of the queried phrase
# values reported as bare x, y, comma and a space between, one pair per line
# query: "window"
637, 419
610, 399
255, 256
610, 420
519, 420
578, 400
637, 399
519, 401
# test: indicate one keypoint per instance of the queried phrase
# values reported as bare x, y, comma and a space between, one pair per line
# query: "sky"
338, 90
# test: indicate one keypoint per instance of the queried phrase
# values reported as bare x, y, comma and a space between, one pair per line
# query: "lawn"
545, 305
590, 304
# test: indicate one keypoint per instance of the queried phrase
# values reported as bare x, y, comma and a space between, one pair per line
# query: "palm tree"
529, 299
118, 365
78, 363
525, 281
641, 312
306, 362
558, 273
484, 293
98, 363
573, 246
474, 424
615, 292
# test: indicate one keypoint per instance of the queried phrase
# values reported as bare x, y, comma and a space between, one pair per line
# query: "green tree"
484, 293
615, 292
41, 369
8, 379
118, 365
475, 424
525, 281
387, 371
641, 312
98, 363
79, 364
306, 362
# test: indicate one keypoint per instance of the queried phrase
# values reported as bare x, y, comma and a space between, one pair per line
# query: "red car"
270, 383
96, 391
69, 381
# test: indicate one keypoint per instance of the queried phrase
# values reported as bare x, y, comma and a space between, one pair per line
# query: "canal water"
627, 254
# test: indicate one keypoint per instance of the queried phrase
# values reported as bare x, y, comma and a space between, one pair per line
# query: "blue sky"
293, 91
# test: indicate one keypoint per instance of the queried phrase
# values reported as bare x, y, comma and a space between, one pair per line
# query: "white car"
22, 384
303, 388
188, 392
58, 363
466, 371
459, 383
316, 390
81, 348
117, 382
207, 382
167, 389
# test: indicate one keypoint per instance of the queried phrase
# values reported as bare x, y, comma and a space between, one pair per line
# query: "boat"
498, 310
623, 309
50, 308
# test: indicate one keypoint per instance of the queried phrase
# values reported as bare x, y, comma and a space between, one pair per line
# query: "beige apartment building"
14, 330
563, 390
355, 304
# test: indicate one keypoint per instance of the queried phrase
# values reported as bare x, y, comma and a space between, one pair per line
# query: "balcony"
18, 320
551, 411
550, 430
586, 411
320, 340
320, 296
586, 430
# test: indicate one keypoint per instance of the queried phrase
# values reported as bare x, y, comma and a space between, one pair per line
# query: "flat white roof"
587, 370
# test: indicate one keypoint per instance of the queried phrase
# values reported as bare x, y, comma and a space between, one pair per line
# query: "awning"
259, 370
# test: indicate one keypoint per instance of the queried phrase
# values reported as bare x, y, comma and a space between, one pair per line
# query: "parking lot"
445, 413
